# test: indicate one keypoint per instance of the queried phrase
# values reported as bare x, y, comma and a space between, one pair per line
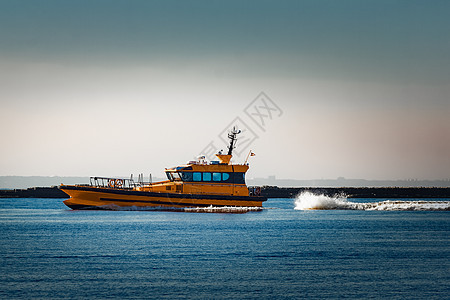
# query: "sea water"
310, 247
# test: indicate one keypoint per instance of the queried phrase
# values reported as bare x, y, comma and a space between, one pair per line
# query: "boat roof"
209, 168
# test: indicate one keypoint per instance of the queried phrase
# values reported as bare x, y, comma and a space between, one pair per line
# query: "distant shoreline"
277, 192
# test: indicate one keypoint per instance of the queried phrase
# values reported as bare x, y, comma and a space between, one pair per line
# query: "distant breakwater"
359, 192
34, 192
277, 192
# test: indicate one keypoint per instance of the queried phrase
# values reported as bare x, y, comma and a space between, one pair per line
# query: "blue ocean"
311, 247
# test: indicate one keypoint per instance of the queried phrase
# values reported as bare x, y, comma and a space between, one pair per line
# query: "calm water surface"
49, 251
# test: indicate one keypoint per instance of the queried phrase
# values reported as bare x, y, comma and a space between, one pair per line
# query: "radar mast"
232, 136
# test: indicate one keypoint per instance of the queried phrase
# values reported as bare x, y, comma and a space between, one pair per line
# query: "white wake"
208, 209
222, 209
308, 200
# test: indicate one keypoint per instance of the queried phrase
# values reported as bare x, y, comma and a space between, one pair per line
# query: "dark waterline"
49, 251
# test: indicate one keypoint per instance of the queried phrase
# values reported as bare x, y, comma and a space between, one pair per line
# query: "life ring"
119, 183
111, 183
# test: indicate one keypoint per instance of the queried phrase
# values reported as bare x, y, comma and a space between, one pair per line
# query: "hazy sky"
359, 89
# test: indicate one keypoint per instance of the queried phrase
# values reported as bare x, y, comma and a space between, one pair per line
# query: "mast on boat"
226, 158
232, 136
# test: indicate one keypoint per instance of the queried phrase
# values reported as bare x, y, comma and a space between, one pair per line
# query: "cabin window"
197, 176
239, 178
206, 176
186, 176
173, 176
217, 176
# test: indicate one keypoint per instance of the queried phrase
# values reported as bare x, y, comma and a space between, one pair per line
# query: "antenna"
232, 136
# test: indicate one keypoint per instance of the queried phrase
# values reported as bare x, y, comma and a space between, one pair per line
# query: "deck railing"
109, 182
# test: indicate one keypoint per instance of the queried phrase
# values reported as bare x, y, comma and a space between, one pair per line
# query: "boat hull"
86, 197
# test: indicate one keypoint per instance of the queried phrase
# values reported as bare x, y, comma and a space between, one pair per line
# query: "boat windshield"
173, 176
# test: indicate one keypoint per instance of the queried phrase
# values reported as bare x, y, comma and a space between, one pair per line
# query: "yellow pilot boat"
194, 185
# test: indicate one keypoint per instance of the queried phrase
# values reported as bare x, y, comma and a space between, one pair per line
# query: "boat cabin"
219, 177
